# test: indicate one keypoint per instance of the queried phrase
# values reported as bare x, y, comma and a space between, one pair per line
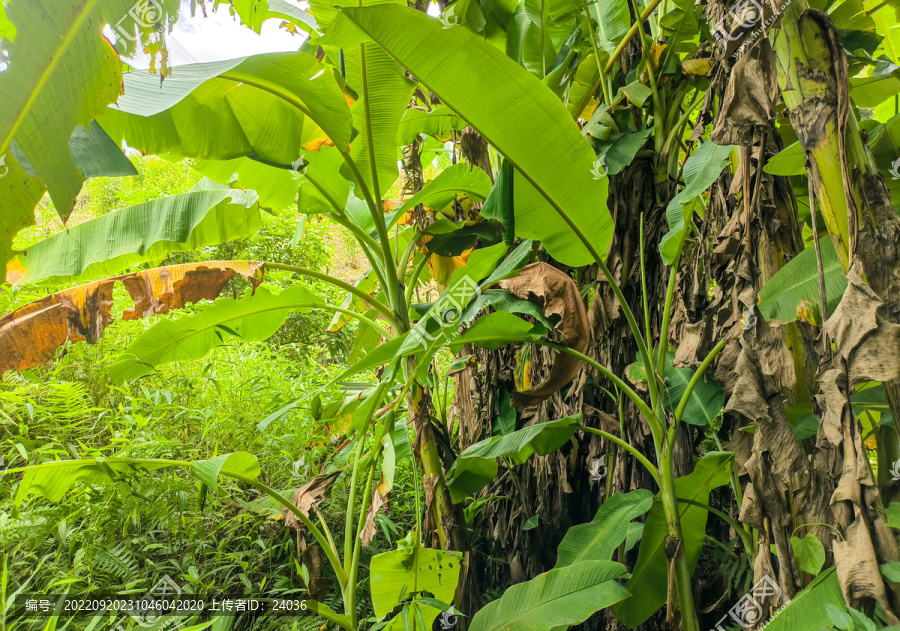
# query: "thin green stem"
320, 538
368, 244
624, 387
701, 370
667, 314
392, 285
673, 131
356, 291
353, 571
407, 254
644, 282
410, 288
624, 445
745, 538
357, 461
631, 33
600, 69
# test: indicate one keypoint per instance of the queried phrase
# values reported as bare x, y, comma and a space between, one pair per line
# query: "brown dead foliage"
31, 335
558, 293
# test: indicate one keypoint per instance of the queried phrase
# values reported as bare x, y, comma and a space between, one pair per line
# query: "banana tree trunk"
812, 73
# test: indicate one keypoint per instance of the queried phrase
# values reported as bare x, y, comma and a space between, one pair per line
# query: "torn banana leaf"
30, 335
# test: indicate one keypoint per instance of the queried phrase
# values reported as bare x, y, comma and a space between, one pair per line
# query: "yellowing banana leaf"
30, 335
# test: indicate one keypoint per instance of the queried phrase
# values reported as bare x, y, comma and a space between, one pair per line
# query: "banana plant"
568, 96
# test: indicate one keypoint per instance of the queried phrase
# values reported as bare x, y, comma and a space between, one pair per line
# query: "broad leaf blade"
65, 73
252, 318
459, 178
649, 580
598, 539
558, 598
241, 462
793, 292
701, 169
227, 109
515, 112
477, 465
145, 232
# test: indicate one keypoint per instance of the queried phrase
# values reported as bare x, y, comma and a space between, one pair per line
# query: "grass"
102, 540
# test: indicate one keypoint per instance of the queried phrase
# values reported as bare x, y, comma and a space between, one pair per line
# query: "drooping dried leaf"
857, 568
750, 98
863, 337
165, 288
558, 293
305, 498
31, 335
379, 498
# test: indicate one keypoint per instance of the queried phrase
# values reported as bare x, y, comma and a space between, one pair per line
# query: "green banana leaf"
556, 599
146, 232
65, 74
52, 480
241, 462
400, 574
807, 610
649, 580
228, 109
384, 93
793, 292
516, 113
706, 402
477, 465
599, 538
701, 169
612, 20
254, 13
439, 122
459, 178
276, 186
789, 161
252, 318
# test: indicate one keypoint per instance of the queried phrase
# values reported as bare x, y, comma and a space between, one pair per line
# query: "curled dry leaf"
868, 342
559, 295
750, 98
379, 499
305, 498
866, 350
31, 335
